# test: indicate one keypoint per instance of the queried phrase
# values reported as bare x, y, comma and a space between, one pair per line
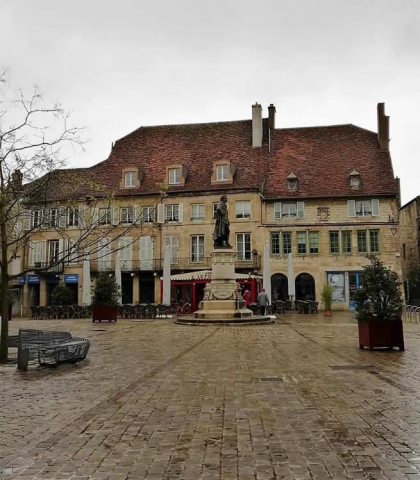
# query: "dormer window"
174, 176
221, 172
354, 180
130, 179
292, 182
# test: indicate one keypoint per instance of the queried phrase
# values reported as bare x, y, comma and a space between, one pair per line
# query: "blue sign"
33, 279
22, 280
71, 278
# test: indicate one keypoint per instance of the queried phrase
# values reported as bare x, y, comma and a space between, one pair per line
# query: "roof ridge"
338, 125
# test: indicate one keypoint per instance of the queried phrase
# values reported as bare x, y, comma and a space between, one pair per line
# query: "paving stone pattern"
155, 400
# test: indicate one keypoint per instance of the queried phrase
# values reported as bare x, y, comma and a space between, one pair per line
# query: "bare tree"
36, 194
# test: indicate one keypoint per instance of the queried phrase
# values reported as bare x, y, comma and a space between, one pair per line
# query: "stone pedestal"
222, 297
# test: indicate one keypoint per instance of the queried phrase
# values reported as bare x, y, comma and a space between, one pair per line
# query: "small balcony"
50, 268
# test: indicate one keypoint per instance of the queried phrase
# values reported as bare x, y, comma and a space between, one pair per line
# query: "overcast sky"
122, 64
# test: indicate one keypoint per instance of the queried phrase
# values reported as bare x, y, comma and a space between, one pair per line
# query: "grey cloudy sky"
122, 64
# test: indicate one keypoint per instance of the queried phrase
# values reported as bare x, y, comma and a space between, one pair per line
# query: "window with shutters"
197, 248
243, 209
53, 251
243, 247
197, 212
71, 251
275, 243
130, 179
126, 215
346, 241
277, 210
334, 243
363, 208
172, 213
287, 243
223, 172
215, 205
146, 253
148, 214
172, 241
105, 216
289, 210
104, 255
73, 217
313, 242
301, 243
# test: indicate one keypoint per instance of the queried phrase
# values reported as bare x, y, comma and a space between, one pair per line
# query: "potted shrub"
379, 307
326, 295
63, 295
105, 299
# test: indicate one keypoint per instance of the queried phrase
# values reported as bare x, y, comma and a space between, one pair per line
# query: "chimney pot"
272, 116
257, 129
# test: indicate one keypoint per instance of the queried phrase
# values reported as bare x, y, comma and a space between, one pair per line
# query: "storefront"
189, 287
51, 282
345, 284
34, 286
71, 281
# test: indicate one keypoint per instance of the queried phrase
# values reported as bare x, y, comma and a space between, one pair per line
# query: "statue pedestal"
222, 297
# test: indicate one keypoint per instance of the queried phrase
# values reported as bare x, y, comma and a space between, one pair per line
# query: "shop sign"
33, 279
71, 278
22, 280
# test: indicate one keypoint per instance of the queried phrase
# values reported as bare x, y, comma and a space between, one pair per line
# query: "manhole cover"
350, 367
271, 379
99, 329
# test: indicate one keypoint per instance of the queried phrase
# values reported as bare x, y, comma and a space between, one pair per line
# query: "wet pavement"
155, 400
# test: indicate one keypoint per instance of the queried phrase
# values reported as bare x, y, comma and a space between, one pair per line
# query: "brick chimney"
17, 178
257, 128
271, 117
383, 128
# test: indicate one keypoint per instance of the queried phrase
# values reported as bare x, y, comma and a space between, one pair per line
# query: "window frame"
272, 234
288, 215
305, 235
172, 218
102, 216
177, 178
147, 213
243, 213
128, 210
289, 243
200, 248
377, 231
224, 168
199, 218
350, 234
244, 244
73, 217
214, 210
132, 175
53, 258
330, 232
366, 242
36, 214
312, 232
363, 212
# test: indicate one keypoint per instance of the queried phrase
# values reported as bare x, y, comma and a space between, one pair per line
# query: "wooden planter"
327, 313
100, 314
381, 334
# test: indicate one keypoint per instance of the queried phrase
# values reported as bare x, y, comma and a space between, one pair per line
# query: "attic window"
223, 172
174, 176
292, 182
130, 179
354, 179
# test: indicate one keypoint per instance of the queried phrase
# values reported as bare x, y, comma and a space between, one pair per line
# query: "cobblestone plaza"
155, 400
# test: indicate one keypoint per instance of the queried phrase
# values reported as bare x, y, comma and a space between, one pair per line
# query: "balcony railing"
179, 263
50, 268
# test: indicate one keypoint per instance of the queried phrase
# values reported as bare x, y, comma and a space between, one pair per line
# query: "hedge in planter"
327, 298
105, 298
379, 307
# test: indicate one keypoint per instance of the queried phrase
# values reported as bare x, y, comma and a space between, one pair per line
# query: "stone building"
410, 248
326, 194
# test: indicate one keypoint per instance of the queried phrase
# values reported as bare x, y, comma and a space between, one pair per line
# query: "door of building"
354, 284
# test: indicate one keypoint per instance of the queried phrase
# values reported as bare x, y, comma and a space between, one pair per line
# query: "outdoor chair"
150, 311
34, 313
67, 312
280, 307
43, 313
300, 306
162, 311
313, 307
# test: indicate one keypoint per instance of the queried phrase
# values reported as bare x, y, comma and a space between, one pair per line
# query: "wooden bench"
49, 347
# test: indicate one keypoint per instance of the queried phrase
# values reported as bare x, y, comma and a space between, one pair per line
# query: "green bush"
326, 295
106, 292
63, 295
379, 296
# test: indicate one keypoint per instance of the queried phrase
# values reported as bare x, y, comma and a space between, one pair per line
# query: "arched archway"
305, 287
279, 287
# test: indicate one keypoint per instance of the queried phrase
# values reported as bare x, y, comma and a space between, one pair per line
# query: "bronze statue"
221, 230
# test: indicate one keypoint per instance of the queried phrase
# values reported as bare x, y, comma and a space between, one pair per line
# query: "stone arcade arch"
279, 287
305, 287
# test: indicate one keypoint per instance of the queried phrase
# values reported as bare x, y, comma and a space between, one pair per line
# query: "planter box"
381, 334
100, 314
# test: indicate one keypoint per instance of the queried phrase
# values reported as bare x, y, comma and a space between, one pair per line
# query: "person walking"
263, 301
247, 297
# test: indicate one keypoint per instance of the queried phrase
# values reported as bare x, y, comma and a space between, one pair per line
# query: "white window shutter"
95, 215
45, 218
115, 215
300, 206
181, 212
81, 215
27, 220
61, 251
146, 253
136, 213
161, 214
62, 221
375, 207
175, 248
32, 253
71, 254
43, 251
351, 207
277, 210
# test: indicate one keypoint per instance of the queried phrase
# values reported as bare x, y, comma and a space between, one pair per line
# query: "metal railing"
411, 313
50, 268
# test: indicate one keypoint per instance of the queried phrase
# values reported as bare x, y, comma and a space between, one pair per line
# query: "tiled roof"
322, 159
197, 146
